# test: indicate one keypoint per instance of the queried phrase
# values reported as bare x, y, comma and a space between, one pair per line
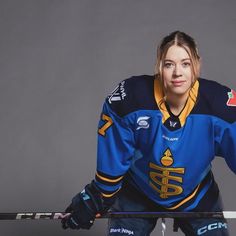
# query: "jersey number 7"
106, 126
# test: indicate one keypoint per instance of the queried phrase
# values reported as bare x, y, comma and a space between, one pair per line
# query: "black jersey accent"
212, 100
138, 94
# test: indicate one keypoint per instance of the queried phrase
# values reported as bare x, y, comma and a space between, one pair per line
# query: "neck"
176, 103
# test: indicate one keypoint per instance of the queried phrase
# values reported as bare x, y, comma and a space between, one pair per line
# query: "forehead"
176, 53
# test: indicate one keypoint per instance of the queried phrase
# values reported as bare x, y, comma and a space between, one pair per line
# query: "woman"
157, 138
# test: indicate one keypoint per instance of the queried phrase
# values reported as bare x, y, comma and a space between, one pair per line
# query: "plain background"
58, 61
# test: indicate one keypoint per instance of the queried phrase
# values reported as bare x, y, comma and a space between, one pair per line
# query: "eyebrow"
181, 60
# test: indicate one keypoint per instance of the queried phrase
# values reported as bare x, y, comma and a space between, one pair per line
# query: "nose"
177, 71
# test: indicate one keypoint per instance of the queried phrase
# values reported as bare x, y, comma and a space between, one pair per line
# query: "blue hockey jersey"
167, 157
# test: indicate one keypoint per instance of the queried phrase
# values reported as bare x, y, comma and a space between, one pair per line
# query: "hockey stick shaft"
224, 214
60, 215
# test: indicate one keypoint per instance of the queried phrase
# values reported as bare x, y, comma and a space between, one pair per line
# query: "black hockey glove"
84, 208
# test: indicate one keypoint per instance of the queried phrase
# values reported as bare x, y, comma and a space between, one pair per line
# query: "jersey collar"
159, 95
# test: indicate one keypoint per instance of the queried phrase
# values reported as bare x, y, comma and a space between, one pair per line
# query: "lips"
178, 83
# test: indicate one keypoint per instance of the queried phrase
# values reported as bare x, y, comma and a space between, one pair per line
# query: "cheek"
188, 73
165, 79
189, 77
167, 75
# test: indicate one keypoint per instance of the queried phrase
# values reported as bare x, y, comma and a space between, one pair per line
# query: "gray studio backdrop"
58, 61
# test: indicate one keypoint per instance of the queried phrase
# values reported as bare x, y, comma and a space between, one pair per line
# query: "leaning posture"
157, 137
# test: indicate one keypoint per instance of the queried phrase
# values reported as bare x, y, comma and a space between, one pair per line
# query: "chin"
179, 91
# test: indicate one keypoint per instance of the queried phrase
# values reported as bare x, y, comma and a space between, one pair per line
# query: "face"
177, 72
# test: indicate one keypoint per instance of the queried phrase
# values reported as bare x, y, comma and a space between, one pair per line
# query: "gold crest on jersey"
166, 180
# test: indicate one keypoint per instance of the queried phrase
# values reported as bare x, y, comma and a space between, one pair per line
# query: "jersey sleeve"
225, 125
114, 152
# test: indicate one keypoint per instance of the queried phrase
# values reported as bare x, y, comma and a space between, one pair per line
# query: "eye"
186, 64
168, 65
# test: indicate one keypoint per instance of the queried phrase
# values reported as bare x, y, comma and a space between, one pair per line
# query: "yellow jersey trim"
110, 195
109, 180
185, 200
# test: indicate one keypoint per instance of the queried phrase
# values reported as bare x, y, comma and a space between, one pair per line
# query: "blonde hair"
185, 41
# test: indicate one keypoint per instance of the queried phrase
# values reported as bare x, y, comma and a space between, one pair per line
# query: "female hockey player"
156, 139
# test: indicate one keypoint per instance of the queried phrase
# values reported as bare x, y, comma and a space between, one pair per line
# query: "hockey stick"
131, 214
166, 214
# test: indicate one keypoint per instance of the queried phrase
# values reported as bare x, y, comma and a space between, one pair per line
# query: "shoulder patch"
231, 99
118, 94
133, 94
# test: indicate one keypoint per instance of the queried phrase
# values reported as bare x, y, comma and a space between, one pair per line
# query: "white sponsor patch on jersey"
118, 93
170, 139
142, 122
